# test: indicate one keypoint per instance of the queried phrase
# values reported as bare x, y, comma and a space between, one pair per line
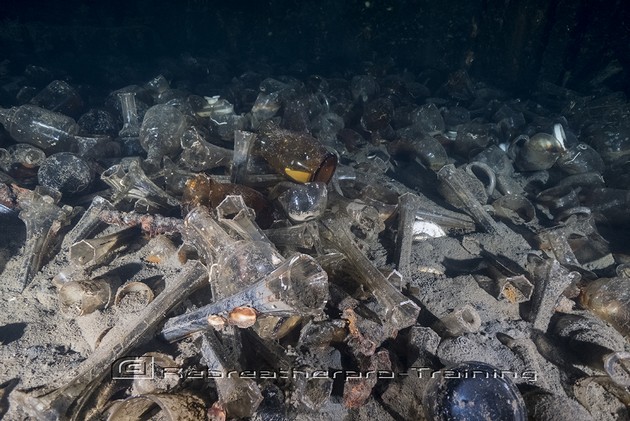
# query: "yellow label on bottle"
299, 176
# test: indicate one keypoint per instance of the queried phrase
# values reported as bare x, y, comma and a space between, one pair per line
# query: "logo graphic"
133, 368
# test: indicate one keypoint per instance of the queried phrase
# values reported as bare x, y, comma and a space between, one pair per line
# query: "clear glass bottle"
48, 130
236, 264
200, 155
60, 97
297, 155
161, 129
265, 106
22, 154
131, 125
302, 202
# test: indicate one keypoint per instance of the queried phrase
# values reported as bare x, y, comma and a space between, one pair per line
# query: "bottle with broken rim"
248, 278
551, 279
43, 220
298, 286
455, 189
235, 263
200, 155
129, 181
93, 251
298, 156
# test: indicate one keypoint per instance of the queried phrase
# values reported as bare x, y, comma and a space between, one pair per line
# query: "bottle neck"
6, 116
129, 108
201, 226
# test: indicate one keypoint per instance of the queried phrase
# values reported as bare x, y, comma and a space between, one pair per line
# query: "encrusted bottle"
161, 130
48, 130
59, 96
66, 172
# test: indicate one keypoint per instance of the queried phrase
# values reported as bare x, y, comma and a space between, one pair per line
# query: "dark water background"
513, 44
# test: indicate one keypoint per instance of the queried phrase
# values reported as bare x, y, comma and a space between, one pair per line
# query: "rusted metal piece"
358, 388
356, 339
151, 224
7, 197
12, 196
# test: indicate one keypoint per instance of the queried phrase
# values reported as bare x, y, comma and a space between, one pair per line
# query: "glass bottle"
131, 125
200, 155
237, 263
202, 190
81, 297
161, 129
472, 391
302, 202
265, 106
60, 97
130, 182
609, 299
66, 172
297, 155
27, 156
48, 130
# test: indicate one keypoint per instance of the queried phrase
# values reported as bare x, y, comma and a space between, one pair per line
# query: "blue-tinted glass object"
473, 391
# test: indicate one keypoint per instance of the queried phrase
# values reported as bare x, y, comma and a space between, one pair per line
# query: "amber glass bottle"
202, 190
297, 155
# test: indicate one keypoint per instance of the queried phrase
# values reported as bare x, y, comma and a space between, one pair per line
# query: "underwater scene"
309, 211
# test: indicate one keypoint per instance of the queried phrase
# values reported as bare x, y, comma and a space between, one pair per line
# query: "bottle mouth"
326, 169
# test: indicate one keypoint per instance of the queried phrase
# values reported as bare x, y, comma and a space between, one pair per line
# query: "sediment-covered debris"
336, 250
